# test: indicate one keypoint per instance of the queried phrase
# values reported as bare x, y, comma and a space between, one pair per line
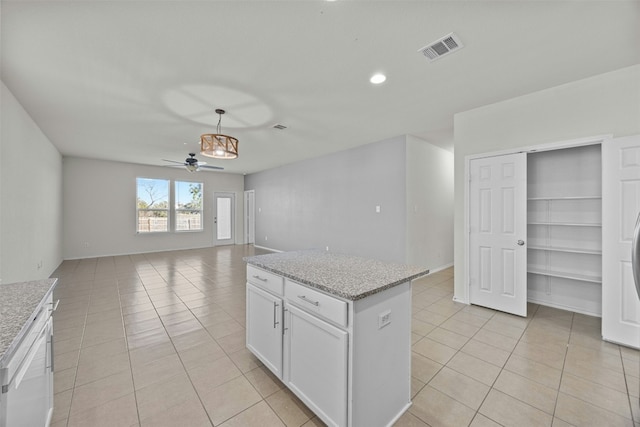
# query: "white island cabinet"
264, 318
336, 330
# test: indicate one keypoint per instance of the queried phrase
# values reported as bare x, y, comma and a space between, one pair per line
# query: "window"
152, 205
188, 206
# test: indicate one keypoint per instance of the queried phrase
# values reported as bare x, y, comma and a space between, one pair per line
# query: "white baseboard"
135, 253
266, 248
442, 267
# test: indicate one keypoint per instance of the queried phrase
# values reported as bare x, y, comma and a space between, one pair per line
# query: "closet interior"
564, 228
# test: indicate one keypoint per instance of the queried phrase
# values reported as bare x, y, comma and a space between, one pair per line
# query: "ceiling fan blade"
200, 165
173, 161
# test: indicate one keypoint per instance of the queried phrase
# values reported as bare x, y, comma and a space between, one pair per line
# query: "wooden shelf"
570, 250
565, 275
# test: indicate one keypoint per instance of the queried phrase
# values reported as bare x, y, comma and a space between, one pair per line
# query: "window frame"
166, 210
176, 210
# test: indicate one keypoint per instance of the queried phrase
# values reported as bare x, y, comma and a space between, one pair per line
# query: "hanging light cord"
219, 120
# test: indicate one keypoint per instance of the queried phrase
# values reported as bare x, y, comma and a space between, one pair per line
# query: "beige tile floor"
158, 340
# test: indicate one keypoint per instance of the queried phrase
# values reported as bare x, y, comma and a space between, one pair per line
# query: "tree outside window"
188, 206
152, 205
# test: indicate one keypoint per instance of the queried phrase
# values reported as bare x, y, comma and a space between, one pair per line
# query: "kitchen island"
336, 329
26, 357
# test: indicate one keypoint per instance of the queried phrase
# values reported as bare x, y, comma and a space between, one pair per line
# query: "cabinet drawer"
316, 302
264, 279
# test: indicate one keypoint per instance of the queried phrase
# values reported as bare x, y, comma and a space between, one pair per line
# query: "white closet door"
497, 233
620, 207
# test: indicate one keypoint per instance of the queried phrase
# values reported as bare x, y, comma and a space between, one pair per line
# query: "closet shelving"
564, 229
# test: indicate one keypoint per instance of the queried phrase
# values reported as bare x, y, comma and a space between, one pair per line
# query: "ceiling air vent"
279, 126
444, 46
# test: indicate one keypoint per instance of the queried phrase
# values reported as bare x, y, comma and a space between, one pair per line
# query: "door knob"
520, 242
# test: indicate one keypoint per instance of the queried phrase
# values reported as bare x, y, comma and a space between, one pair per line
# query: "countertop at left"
19, 304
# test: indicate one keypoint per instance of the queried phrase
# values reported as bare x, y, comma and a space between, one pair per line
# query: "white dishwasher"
27, 380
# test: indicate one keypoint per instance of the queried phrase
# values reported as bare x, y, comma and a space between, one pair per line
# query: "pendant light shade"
217, 145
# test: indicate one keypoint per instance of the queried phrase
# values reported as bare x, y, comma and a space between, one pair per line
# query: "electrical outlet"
384, 319
378, 209
266, 238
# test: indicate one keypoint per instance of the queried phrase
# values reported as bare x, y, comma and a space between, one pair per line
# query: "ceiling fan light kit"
192, 164
217, 145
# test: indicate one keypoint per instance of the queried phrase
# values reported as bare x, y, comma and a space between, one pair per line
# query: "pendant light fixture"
217, 145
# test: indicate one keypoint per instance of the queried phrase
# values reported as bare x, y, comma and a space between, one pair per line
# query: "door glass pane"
223, 208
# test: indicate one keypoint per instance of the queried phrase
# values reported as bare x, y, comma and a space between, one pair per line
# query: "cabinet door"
316, 365
264, 328
497, 233
620, 207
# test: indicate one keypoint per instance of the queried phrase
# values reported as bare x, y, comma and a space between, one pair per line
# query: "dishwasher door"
28, 401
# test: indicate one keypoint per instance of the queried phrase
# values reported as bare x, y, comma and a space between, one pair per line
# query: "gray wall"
100, 208
31, 197
605, 104
331, 201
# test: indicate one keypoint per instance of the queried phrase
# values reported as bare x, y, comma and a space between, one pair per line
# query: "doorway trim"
232, 195
249, 217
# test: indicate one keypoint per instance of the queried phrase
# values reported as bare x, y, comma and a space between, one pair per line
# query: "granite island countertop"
19, 304
345, 276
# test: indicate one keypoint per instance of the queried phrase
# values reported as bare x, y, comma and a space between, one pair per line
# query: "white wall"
429, 204
605, 104
30, 197
100, 208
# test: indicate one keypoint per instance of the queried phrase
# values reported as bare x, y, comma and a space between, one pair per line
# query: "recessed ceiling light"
378, 78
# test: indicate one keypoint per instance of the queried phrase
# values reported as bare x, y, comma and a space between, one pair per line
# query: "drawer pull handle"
275, 314
260, 278
54, 305
305, 299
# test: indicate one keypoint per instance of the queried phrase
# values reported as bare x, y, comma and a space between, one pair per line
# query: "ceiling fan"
192, 164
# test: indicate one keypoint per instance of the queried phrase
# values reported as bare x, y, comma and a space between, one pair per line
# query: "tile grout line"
75, 375
564, 362
126, 340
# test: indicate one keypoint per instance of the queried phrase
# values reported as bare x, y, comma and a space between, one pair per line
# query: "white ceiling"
138, 81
